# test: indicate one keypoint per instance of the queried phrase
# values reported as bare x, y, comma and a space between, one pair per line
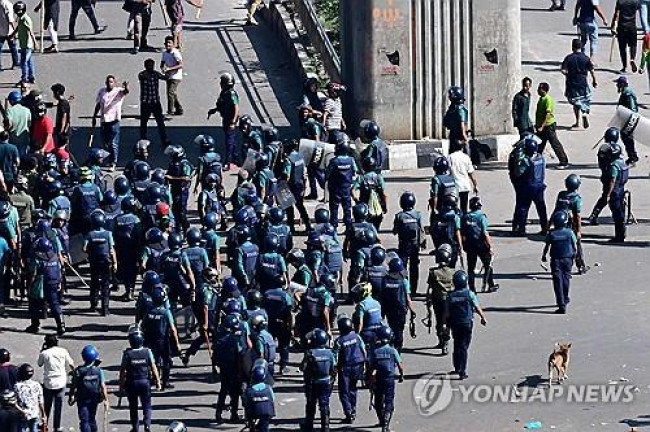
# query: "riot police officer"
57, 199
177, 273
442, 187
128, 236
140, 154
350, 353
278, 304
395, 300
209, 161
477, 243
563, 245
264, 180
315, 306
229, 346
86, 198
381, 363
155, 247
440, 284
340, 174
111, 207
371, 189
376, 148
533, 171
264, 346
376, 270
100, 247
246, 260
446, 229
179, 176
140, 181
88, 389
259, 401
44, 282
252, 136
410, 237
209, 200
461, 304
211, 240
277, 226
158, 328
254, 308
367, 312
318, 366
136, 371
271, 265
293, 173
570, 201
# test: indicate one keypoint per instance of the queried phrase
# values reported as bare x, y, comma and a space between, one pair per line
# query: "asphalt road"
606, 322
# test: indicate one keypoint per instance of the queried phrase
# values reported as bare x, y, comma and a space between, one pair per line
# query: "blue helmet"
258, 374
128, 204
530, 146
97, 219
232, 306
572, 182
612, 135
371, 130
328, 280
296, 256
230, 284
377, 255
231, 322
110, 198
158, 296
43, 245
384, 335
319, 338
210, 220
560, 219
407, 200
456, 94
241, 216
441, 165
271, 242
89, 354
396, 265
360, 212
154, 193
136, 339
150, 279
460, 280
43, 225
14, 97
276, 215
158, 176
193, 236
154, 235
322, 215
141, 171
175, 240
121, 185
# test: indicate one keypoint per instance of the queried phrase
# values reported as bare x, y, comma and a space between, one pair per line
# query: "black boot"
619, 232
325, 423
444, 349
385, 427
60, 326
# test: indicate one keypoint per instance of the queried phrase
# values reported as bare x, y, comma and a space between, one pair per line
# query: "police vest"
624, 175
297, 176
172, 267
334, 256
250, 255
369, 182
50, 269
155, 325
472, 230
315, 301
393, 296
271, 184
350, 351
461, 310
375, 276
98, 246
195, 257
409, 228
124, 231
444, 229
441, 282
137, 364
372, 314
140, 190
211, 201
319, 365
283, 232
87, 199
207, 237
179, 169
154, 259
260, 401
269, 270
359, 235
446, 188
269, 347
384, 362
537, 171
561, 243
211, 164
88, 383
342, 173
276, 304
227, 351
565, 201
64, 238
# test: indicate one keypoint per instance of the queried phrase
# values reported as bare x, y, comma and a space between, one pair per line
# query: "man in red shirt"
42, 131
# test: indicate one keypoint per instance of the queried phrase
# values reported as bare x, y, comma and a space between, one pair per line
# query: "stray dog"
559, 360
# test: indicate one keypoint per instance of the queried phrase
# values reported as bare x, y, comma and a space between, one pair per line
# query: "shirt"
173, 58
628, 99
30, 397
62, 108
587, 10
149, 91
24, 29
545, 105
43, 132
334, 110
627, 11
461, 168
520, 109
56, 362
24, 204
6, 17
578, 66
8, 160
20, 118
110, 104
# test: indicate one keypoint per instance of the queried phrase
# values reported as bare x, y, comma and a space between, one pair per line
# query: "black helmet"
360, 212
154, 235
377, 255
158, 296
460, 280
328, 280
258, 374
475, 203
97, 219
572, 182
345, 325
141, 148
110, 198
271, 242
5, 355
231, 322
121, 185
141, 171
612, 135
20, 7
407, 200
245, 121
321, 215
270, 134
254, 299
441, 165
296, 256
136, 339
210, 220
384, 335
158, 176
244, 234
193, 236
175, 241
226, 79
128, 204
369, 163
319, 338
371, 130
396, 265
206, 143
456, 94
560, 219
443, 254
276, 215
259, 323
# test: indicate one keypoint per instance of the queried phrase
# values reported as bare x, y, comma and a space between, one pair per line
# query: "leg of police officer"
488, 278
197, 310
397, 323
87, 412
335, 201
128, 266
599, 206
345, 391
515, 215
540, 206
472, 259
521, 213
617, 206
36, 307
442, 327
462, 334
281, 332
52, 298
311, 397
139, 390
561, 273
105, 285
323, 393
411, 260
628, 141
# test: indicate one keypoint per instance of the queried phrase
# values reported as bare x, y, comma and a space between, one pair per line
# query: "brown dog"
559, 360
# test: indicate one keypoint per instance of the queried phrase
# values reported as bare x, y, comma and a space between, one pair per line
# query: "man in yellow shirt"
545, 125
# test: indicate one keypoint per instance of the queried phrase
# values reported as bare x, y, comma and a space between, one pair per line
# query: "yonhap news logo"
433, 394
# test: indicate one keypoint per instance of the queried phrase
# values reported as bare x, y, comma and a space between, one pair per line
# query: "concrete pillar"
400, 56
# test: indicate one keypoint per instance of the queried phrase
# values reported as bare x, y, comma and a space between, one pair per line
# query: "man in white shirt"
56, 363
463, 172
109, 107
7, 26
172, 66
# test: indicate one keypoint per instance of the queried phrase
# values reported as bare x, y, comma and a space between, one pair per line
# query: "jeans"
626, 38
173, 104
644, 16
26, 65
15, 60
30, 425
54, 396
88, 9
141, 23
589, 30
146, 110
110, 132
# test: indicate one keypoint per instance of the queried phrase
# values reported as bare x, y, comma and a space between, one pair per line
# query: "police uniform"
278, 305
628, 100
266, 184
127, 233
46, 282
99, 244
259, 402
367, 316
157, 325
229, 346
270, 268
87, 382
228, 99
211, 242
350, 353
294, 173
313, 304
461, 304
532, 191
340, 174
444, 231
285, 238
408, 228
383, 360
173, 265
137, 363
619, 172
440, 285
375, 275
152, 255
264, 347
372, 187
442, 186
318, 368
394, 299
180, 189
246, 263
571, 203
209, 201
563, 244
474, 229
377, 150
86, 198
206, 297
209, 163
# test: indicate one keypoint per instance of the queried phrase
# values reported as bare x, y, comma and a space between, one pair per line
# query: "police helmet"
97, 219
475, 203
14, 97
377, 255
443, 253
371, 130
344, 324
612, 135
384, 335
290, 145
193, 236
232, 306
8, 398
259, 323
86, 174
360, 212
262, 162
175, 241
231, 322
158, 296
258, 374
175, 152
150, 279
43, 246
227, 80
230, 284
560, 219
244, 234
210, 220
5, 209
441, 165
211, 179
315, 239
5, 355
210, 274
322, 215
319, 338
128, 204
43, 225
328, 280
50, 162
456, 94
396, 265
245, 122
154, 235
89, 354
271, 242
96, 155
296, 256
276, 215
136, 339
55, 188
241, 216
342, 147
530, 146
25, 372
270, 134
460, 280
369, 163
61, 215
141, 148
176, 426
206, 143
141, 171
110, 198
254, 299
158, 177
361, 290
371, 237
121, 185
572, 182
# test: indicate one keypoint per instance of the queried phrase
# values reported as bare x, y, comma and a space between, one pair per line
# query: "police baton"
83, 281
598, 143
544, 266
106, 417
